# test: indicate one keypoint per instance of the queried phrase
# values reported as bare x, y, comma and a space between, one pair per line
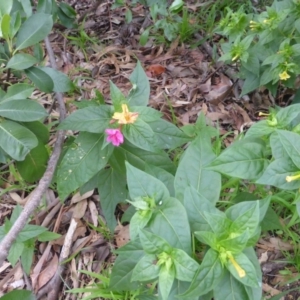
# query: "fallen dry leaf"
48, 272
156, 70
123, 235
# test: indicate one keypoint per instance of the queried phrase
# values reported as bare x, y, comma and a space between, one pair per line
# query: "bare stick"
45, 181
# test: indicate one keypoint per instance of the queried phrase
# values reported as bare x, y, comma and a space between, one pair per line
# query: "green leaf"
68, 10
236, 244
34, 165
16, 140
22, 110
140, 92
276, 174
91, 119
30, 231
147, 114
146, 269
195, 204
231, 289
243, 159
112, 190
271, 221
286, 115
27, 258
144, 37
26, 4
117, 97
185, 266
39, 129
120, 279
208, 238
138, 221
168, 135
5, 7
162, 175
152, 243
141, 135
170, 216
81, 162
18, 91
165, 281
139, 157
33, 30
19, 294
48, 236
42, 80
141, 184
218, 223
15, 23
245, 215
61, 81
192, 172
15, 252
5, 26
285, 143
243, 261
260, 129
207, 277
250, 84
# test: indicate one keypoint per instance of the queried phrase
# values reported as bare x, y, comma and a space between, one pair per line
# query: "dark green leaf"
260, 129
15, 252
27, 258
30, 231
152, 243
48, 236
117, 97
33, 30
146, 269
39, 129
41, 79
16, 140
18, 91
19, 294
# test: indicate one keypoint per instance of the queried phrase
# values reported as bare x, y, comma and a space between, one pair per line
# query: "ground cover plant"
150, 188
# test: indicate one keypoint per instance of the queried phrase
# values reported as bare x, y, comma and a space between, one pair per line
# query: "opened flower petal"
125, 117
114, 136
284, 75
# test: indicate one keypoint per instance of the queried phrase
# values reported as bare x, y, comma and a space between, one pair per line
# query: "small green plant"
265, 46
24, 246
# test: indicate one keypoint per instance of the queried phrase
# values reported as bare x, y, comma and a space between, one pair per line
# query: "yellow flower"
291, 178
125, 117
238, 268
235, 57
284, 75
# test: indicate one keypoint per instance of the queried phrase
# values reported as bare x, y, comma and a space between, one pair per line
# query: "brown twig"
45, 181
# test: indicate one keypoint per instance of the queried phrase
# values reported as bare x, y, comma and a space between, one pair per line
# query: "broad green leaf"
171, 223
231, 289
16, 140
33, 30
5, 26
162, 175
218, 223
180, 287
120, 279
250, 84
144, 37
185, 266
207, 238
30, 231
27, 257
61, 81
64, 19
165, 281
141, 184
146, 269
138, 221
68, 10
147, 114
236, 243
260, 129
112, 190
141, 135
209, 274
285, 143
243, 159
39, 129
48, 236
286, 115
15, 23
15, 252
26, 4
5, 7
248, 217
250, 279
45, 6
18, 294
34, 165
139, 157
191, 171
153, 244
195, 204
81, 162
168, 135
41, 79
18, 91
117, 97
276, 174
140, 92
24, 110
16, 213
21, 61
271, 221
91, 119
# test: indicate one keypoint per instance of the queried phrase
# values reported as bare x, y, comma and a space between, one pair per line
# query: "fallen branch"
36, 196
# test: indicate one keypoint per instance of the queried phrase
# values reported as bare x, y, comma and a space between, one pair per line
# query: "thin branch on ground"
36, 196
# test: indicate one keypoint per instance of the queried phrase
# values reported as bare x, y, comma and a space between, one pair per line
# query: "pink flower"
114, 136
